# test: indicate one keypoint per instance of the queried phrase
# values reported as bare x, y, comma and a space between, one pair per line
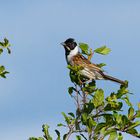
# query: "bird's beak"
63, 44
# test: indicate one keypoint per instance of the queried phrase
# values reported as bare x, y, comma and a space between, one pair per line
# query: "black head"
69, 45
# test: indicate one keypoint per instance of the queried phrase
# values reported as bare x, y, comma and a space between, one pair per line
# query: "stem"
84, 95
84, 98
75, 131
77, 98
69, 133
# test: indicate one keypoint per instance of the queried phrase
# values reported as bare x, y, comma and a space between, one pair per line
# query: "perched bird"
89, 70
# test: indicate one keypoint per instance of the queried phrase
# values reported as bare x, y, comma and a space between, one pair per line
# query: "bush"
96, 116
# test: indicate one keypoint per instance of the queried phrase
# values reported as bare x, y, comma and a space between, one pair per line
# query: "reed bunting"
89, 70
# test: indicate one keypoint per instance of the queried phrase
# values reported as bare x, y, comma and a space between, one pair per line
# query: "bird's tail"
107, 77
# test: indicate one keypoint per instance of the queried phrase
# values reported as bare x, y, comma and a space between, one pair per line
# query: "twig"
84, 95
77, 98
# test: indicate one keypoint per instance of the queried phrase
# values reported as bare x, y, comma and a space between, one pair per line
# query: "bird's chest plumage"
69, 59
71, 55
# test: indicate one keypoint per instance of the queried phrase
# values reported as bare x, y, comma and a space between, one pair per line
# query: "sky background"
35, 91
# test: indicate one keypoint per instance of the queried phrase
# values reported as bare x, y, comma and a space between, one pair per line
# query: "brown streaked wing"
80, 60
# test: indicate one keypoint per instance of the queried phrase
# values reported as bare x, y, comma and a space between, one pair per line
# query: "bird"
89, 70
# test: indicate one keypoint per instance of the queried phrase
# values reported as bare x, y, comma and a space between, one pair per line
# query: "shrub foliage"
96, 116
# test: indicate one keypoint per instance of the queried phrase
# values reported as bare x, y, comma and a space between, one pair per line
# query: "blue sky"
35, 91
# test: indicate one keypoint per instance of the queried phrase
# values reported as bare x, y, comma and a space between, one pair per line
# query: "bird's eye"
69, 44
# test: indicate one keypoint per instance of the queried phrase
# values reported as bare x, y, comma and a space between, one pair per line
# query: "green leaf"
139, 105
102, 50
84, 47
1, 44
109, 131
103, 131
46, 132
40, 138
65, 136
138, 114
83, 136
133, 125
118, 118
120, 136
74, 68
122, 91
113, 106
89, 88
2, 68
6, 40
3, 74
71, 114
113, 135
84, 118
75, 75
108, 118
99, 127
98, 98
126, 99
1, 50
88, 108
60, 124
125, 120
78, 137
71, 89
91, 122
67, 119
112, 98
6, 43
132, 131
101, 65
130, 113
9, 51
58, 134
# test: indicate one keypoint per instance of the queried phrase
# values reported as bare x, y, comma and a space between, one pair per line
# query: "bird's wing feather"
80, 60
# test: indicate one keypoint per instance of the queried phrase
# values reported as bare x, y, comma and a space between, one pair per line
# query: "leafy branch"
96, 116
4, 45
